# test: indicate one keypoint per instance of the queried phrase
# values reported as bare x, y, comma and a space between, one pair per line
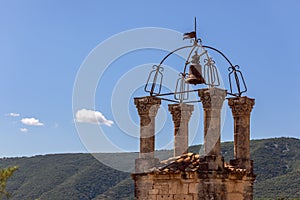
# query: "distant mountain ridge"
82, 177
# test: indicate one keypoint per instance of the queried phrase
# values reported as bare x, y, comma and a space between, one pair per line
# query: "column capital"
241, 105
180, 112
212, 98
147, 105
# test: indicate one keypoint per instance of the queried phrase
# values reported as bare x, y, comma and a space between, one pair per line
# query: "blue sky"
44, 43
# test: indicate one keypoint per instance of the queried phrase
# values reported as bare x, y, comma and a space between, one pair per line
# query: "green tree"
5, 174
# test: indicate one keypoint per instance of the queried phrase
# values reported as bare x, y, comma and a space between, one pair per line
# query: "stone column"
241, 108
147, 109
181, 114
212, 100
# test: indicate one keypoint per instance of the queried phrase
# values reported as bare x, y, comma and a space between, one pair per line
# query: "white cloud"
31, 122
24, 130
92, 117
13, 114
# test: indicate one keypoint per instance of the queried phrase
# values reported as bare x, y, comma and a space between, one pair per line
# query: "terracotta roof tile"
188, 162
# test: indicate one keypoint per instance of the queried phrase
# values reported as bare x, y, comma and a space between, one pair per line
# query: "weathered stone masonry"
147, 109
189, 176
181, 114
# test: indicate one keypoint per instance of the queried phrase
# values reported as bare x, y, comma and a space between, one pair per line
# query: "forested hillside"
81, 176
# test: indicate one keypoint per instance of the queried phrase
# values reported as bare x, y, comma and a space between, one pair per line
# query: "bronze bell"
195, 75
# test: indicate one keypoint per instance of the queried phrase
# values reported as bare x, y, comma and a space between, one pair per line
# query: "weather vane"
192, 34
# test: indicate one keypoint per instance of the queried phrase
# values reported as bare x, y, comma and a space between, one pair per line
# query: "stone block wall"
226, 184
165, 187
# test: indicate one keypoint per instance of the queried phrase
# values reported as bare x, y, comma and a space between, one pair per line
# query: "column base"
143, 165
211, 163
243, 164
215, 162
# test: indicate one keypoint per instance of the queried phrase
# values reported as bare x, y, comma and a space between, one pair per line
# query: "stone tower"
190, 176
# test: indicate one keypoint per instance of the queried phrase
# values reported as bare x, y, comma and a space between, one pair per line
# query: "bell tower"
191, 176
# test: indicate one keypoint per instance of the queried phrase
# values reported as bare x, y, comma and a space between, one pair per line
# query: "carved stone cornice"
212, 98
180, 112
147, 105
241, 105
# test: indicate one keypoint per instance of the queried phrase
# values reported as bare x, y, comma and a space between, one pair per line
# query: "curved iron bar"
197, 45
220, 52
180, 89
235, 72
211, 71
232, 67
184, 47
172, 93
158, 71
